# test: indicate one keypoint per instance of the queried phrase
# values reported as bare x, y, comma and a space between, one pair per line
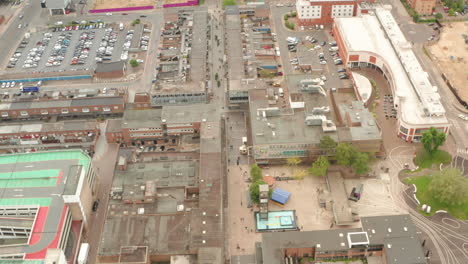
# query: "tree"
327, 145
345, 154
293, 161
256, 173
432, 140
451, 12
134, 63
255, 191
348, 156
299, 174
361, 163
319, 167
266, 74
216, 76
449, 186
438, 16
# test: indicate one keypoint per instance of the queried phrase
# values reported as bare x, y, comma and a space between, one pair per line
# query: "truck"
243, 147
83, 255
34, 89
281, 92
356, 193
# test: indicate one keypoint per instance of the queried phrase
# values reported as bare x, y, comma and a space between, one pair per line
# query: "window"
85, 110
4, 114
24, 113
64, 110
75, 109
116, 107
106, 109
96, 108
44, 112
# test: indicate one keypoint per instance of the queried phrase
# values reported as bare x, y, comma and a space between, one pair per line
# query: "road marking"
18, 195
29, 166
18, 190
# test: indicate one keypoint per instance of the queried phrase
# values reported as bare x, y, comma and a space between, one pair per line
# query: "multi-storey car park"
375, 41
46, 201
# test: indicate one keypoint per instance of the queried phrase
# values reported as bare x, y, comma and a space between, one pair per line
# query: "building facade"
45, 108
41, 136
376, 42
322, 12
423, 7
47, 221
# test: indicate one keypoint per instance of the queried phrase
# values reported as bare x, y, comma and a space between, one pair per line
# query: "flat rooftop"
284, 125
405, 246
41, 127
158, 225
62, 103
37, 181
418, 100
141, 118
365, 127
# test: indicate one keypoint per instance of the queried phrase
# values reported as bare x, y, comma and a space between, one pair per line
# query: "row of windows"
63, 111
145, 129
145, 134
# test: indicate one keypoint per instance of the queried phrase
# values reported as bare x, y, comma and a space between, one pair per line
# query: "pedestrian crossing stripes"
462, 151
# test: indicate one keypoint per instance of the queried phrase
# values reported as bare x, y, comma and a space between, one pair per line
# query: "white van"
121, 26
281, 92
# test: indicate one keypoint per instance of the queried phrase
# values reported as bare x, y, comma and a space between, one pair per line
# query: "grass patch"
424, 196
424, 160
229, 3
426, 52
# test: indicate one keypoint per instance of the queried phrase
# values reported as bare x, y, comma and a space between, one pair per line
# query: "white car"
3, 85
463, 117
8, 85
323, 62
108, 14
279, 5
13, 84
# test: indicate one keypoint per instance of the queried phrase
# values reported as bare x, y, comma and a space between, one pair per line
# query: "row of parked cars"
127, 44
35, 54
9, 84
59, 51
106, 48
83, 25
82, 48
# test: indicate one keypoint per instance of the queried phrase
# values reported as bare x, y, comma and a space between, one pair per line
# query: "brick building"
423, 7
42, 135
322, 12
45, 108
158, 126
111, 69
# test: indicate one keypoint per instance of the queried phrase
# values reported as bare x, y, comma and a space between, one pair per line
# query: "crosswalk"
462, 152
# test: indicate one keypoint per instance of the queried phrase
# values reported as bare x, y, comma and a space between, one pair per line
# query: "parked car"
461, 116
95, 205
343, 76
323, 43
341, 70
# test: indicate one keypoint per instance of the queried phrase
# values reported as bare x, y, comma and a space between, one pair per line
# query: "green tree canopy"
361, 163
134, 63
449, 186
256, 173
432, 140
255, 191
438, 16
319, 167
345, 154
293, 161
327, 145
348, 156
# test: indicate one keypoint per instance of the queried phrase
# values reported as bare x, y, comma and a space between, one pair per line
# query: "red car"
124, 14
279, 73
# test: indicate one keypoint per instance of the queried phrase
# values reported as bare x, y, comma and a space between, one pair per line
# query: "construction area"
451, 56
106, 4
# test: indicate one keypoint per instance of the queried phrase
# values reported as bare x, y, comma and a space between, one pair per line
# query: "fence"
57, 78
121, 9
188, 3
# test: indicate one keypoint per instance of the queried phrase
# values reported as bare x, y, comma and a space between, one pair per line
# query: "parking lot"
76, 47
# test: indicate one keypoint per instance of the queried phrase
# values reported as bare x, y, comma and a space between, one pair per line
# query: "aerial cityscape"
234, 131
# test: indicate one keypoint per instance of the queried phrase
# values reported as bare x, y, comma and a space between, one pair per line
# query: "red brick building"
322, 12
423, 7
45, 108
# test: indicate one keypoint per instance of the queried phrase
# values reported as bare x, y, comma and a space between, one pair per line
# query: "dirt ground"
101, 4
451, 54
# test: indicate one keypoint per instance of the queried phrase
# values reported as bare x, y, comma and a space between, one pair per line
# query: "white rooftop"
419, 101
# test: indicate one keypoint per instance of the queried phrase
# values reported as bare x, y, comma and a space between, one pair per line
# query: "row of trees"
344, 154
